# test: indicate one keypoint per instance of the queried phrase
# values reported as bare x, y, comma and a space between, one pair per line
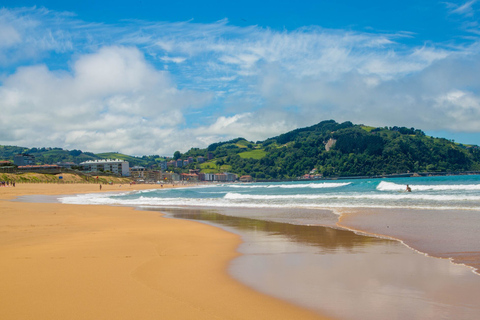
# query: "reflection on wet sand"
325, 239
449, 234
345, 275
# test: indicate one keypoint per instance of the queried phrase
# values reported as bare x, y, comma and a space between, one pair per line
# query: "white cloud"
465, 9
444, 95
223, 82
112, 99
173, 59
30, 33
9, 36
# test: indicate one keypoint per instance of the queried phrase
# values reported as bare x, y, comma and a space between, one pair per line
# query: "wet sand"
448, 234
343, 274
63, 261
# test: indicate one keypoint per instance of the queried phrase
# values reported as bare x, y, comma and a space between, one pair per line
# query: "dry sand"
97, 262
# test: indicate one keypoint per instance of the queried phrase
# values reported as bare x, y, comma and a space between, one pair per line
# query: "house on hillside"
163, 165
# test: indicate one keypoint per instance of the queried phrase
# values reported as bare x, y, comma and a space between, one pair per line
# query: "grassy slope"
254, 154
114, 155
212, 167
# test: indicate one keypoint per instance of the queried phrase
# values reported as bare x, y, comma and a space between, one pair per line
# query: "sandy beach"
63, 261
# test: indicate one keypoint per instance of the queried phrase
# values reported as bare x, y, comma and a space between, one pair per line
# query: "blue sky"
152, 77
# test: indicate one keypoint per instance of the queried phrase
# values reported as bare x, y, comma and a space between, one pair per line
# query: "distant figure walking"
408, 188
100, 187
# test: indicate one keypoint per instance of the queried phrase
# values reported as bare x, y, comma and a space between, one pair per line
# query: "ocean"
350, 249
439, 192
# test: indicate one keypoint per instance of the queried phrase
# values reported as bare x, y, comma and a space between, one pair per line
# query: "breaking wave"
390, 186
293, 186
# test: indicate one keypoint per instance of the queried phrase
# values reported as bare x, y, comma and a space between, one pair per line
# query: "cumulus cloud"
157, 87
111, 100
444, 95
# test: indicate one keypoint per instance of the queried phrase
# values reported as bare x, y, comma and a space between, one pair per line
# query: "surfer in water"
408, 189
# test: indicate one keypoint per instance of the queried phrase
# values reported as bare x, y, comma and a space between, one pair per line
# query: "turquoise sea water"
440, 192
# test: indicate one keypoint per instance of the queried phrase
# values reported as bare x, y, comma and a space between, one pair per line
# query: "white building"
117, 166
209, 176
231, 176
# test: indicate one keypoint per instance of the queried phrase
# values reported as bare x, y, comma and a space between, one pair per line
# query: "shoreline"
332, 269
386, 237
112, 262
441, 243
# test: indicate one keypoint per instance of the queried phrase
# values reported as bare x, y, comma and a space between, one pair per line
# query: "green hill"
353, 150
54, 155
47, 155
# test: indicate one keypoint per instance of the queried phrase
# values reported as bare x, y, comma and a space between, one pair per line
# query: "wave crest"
390, 186
295, 186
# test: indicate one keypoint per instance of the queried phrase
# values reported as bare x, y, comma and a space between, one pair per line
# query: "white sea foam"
274, 201
357, 196
390, 186
292, 186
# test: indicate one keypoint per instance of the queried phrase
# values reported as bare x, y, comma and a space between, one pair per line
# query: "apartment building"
116, 166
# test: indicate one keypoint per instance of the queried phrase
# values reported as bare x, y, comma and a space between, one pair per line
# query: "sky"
152, 77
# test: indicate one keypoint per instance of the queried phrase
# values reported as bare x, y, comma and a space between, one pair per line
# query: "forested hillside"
356, 150
54, 155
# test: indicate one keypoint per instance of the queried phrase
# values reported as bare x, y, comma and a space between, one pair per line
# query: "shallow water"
345, 275
450, 234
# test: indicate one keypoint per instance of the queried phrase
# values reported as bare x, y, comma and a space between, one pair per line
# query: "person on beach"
100, 187
408, 189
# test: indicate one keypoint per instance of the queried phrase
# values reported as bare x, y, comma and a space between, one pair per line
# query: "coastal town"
23, 163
